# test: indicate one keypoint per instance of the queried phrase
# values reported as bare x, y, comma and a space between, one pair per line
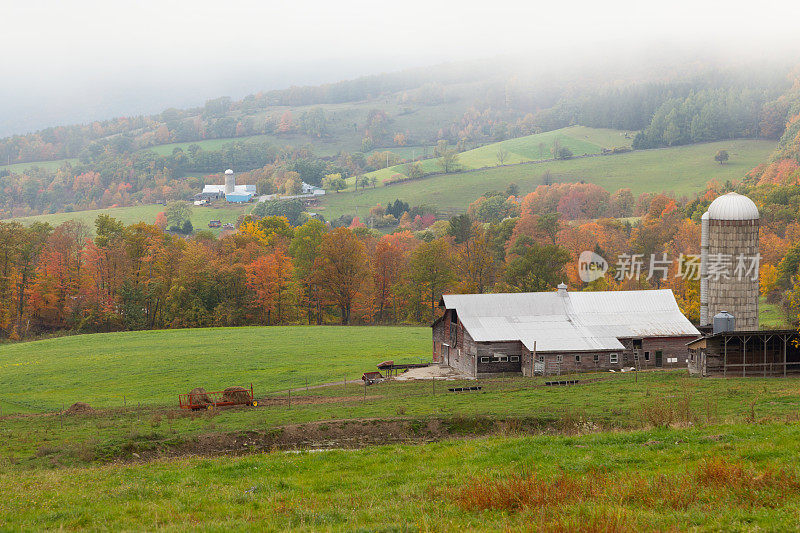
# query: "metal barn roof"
220, 189
570, 321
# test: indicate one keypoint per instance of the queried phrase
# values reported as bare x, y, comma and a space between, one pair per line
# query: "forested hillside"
283, 266
350, 128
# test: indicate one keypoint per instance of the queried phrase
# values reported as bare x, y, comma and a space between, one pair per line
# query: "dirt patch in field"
444, 373
336, 434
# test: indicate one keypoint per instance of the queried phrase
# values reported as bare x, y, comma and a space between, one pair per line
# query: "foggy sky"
77, 60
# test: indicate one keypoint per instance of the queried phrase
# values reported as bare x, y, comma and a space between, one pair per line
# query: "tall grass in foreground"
611, 500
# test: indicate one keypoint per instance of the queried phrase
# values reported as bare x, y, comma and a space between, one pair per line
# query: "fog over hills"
68, 62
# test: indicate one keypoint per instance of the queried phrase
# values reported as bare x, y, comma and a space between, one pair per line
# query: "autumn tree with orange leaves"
340, 269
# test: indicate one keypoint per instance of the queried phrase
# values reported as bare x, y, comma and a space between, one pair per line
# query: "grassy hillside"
155, 366
344, 126
580, 140
50, 165
144, 213
680, 170
772, 316
716, 479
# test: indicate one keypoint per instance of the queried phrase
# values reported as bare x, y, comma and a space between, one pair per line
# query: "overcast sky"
73, 60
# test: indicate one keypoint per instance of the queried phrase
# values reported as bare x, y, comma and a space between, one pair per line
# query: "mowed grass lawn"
153, 367
144, 213
727, 478
678, 170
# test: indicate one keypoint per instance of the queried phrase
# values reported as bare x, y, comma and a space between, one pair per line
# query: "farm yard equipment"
200, 399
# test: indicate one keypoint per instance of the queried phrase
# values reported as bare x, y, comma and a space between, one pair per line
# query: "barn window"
559, 358
577, 358
484, 359
515, 359
596, 358
541, 359
500, 358
613, 358
646, 356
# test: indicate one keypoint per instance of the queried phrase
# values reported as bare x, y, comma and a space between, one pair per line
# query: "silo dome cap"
733, 206
228, 172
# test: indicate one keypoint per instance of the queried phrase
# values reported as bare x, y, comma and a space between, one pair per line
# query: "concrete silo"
729, 261
230, 182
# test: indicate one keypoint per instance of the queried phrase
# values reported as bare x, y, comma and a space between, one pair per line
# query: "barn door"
659, 358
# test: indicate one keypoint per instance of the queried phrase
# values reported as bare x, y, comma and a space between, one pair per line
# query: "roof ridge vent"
562, 289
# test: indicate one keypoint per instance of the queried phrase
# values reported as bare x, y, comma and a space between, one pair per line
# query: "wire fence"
346, 391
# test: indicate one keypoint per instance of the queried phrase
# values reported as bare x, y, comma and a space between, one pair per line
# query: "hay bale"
236, 395
199, 396
78, 408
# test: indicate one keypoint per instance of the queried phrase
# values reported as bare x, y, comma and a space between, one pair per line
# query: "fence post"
61, 417
290, 397
433, 379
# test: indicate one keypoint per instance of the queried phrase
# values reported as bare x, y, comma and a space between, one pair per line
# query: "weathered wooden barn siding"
474, 358
674, 352
438, 339
490, 355
759, 362
571, 362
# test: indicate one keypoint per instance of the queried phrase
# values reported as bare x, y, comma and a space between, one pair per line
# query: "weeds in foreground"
664, 412
713, 482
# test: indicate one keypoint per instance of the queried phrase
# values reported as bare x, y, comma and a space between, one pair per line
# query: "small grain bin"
724, 322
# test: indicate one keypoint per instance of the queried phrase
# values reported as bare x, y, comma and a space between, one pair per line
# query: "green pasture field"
681, 170
771, 315
325, 147
144, 213
153, 367
719, 478
345, 122
49, 165
653, 450
581, 140
601, 402
731, 463
207, 144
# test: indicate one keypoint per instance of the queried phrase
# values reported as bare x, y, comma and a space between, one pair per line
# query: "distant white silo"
230, 182
729, 261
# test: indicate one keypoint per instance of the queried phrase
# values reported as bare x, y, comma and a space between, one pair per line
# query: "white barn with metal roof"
582, 331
